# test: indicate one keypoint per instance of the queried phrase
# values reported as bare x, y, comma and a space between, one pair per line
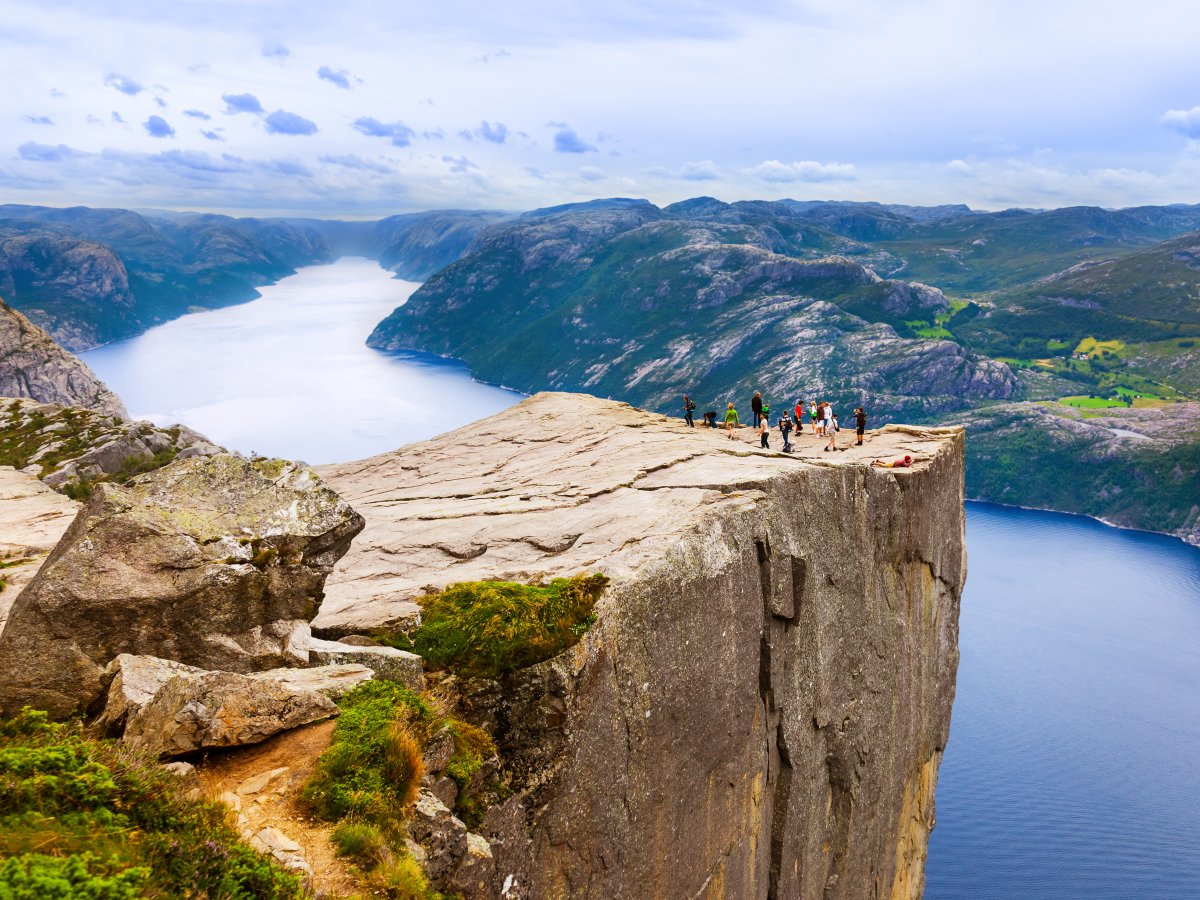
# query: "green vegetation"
1092, 402
485, 629
92, 819
1150, 488
369, 776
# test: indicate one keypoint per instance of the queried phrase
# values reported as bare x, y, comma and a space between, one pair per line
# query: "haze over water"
1073, 768
289, 374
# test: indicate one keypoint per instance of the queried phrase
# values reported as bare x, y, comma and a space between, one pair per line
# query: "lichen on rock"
164, 567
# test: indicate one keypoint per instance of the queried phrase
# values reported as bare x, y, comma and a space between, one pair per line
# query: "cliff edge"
761, 706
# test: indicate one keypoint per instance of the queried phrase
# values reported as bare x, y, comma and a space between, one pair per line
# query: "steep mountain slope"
624, 299
32, 365
90, 276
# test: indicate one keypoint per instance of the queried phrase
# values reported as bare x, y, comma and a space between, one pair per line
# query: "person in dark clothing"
785, 428
860, 423
688, 407
710, 418
756, 407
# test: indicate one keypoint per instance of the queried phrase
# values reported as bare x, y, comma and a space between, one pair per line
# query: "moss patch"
484, 629
90, 818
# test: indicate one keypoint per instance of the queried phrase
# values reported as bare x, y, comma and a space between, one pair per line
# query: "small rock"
442, 834
256, 783
275, 839
232, 800
180, 768
443, 788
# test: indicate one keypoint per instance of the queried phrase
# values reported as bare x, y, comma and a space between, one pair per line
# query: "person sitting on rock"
731, 420
904, 463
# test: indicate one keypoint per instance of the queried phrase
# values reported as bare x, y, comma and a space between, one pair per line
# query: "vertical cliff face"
761, 707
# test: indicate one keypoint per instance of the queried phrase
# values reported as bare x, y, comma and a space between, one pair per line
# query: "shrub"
360, 839
372, 767
91, 818
403, 879
488, 628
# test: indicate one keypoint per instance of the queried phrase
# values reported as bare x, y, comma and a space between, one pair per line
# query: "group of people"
820, 417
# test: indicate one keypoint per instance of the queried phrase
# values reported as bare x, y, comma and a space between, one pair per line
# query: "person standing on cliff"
756, 407
688, 407
764, 432
799, 417
785, 428
813, 409
731, 420
831, 428
860, 423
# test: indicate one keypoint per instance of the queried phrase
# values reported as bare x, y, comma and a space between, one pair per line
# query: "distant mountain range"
91, 276
1068, 339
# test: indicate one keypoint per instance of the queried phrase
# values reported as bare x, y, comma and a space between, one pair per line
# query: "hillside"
624, 299
91, 276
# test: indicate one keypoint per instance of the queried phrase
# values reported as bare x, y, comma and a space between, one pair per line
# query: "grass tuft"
485, 629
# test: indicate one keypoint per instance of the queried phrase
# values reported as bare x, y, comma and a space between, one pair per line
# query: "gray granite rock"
216, 562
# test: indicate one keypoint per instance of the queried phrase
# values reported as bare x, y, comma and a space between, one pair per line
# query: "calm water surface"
289, 375
1073, 769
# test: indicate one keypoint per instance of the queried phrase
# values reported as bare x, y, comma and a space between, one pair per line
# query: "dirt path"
263, 783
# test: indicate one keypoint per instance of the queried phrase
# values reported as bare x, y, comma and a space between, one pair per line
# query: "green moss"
90, 818
367, 772
488, 628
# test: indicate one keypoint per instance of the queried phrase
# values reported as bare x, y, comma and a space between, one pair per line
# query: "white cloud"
785, 173
959, 167
1184, 121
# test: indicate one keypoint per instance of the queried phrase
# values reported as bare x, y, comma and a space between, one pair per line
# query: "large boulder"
217, 562
167, 708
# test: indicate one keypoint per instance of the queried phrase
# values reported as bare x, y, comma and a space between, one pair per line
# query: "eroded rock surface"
32, 365
216, 561
32, 519
761, 707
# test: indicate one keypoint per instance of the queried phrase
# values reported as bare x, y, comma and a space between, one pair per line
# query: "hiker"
813, 409
710, 418
832, 428
819, 420
799, 416
829, 417
764, 431
688, 406
785, 428
860, 423
895, 464
756, 407
731, 420
766, 412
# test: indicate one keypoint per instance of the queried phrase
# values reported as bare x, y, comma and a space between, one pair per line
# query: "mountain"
33, 366
91, 276
631, 301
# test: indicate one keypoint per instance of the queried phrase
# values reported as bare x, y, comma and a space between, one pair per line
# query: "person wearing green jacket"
731, 420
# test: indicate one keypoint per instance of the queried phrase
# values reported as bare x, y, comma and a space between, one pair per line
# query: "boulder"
32, 520
216, 562
224, 709
145, 692
388, 663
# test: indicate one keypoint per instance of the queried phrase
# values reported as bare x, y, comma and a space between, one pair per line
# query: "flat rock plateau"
761, 707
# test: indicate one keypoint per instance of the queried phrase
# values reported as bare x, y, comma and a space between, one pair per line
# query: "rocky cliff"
32, 365
761, 706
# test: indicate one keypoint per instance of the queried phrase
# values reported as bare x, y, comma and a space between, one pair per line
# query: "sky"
364, 108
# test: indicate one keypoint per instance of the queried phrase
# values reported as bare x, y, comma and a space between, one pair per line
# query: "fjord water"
1073, 768
289, 374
